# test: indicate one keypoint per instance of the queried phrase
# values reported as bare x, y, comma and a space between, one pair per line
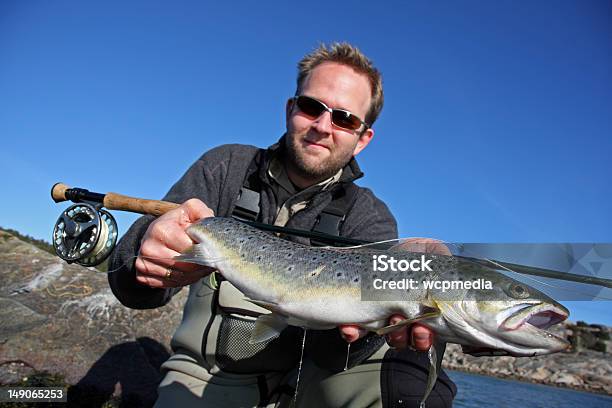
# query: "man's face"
317, 148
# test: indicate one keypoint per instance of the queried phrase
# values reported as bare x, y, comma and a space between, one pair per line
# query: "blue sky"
497, 125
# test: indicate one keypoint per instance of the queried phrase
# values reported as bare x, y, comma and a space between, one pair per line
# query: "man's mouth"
311, 143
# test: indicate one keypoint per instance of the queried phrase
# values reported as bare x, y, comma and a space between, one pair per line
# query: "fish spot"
317, 271
339, 274
356, 280
290, 268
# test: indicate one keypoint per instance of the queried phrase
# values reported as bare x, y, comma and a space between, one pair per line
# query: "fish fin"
213, 283
266, 305
388, 329
267, 327
195, 254
432, 375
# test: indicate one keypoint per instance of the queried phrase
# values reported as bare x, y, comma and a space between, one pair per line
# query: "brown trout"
322, 288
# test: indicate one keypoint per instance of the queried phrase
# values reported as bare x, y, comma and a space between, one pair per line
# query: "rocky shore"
61, 322
586, 370
63, 319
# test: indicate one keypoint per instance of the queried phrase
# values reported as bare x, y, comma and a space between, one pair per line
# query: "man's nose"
323, 123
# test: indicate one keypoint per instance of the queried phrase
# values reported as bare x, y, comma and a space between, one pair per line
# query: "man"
305, 181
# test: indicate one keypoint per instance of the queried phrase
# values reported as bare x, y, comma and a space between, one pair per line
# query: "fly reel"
85, 234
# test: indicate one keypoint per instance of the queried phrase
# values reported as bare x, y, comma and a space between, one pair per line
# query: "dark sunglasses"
339, 117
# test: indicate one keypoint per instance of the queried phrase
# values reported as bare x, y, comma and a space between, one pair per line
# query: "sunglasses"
339, 117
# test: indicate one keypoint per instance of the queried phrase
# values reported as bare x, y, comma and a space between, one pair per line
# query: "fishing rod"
86, 234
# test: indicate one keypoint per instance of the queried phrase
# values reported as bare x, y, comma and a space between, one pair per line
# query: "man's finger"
425, 245
176, 240
351, 332
158, 276
195, 210
421, 337
156, 252
398, 338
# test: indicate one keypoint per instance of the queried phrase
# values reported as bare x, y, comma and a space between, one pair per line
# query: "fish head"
511, 318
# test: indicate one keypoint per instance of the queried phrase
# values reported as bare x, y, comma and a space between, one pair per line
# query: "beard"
310, 167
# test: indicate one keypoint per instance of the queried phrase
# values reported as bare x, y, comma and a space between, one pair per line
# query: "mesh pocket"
236, 354
233, 341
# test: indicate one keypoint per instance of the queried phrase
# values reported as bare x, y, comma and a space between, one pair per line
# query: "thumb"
195, 210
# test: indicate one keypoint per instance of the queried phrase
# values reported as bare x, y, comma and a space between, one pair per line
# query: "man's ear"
289, 108
364, 140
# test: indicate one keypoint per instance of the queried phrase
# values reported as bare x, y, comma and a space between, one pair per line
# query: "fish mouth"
541, 316
533, 321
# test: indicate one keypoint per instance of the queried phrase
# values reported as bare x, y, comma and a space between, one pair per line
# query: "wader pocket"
233, 351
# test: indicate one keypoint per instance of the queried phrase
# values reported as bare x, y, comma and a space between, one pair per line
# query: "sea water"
478, 391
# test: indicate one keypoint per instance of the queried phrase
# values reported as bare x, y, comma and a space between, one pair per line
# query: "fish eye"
517, 290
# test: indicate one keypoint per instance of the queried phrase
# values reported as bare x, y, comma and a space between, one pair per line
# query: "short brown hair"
347, 54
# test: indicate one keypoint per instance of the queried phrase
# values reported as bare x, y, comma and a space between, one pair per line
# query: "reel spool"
84, 234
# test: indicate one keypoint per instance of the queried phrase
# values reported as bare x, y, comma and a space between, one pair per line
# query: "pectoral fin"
432, 375
267, 327
388, 329
196, 254
266, 305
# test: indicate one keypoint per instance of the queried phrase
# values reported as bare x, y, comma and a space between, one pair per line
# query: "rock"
63, 319
567, 379
14, 371
586, 370
540, 374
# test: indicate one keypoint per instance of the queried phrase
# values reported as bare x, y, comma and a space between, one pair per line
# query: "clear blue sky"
497, 125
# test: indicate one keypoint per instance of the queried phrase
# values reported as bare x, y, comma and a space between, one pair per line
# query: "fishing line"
348, 351
127, 262
369, 244
297, 381
594, 297
499, 266
396, 241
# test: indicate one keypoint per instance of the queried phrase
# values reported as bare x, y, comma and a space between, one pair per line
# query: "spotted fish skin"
321, 288
318, 288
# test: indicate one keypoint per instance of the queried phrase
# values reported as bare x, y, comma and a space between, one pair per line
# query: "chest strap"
330, 220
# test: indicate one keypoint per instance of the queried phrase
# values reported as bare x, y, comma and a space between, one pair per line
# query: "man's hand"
425, 245
416, 336
166, 238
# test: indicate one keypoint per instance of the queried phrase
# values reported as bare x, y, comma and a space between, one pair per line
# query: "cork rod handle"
112, 201
58, 192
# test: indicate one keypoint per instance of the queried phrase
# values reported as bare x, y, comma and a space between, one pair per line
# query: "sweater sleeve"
202, 180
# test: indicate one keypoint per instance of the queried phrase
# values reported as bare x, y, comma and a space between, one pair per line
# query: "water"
477, 391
